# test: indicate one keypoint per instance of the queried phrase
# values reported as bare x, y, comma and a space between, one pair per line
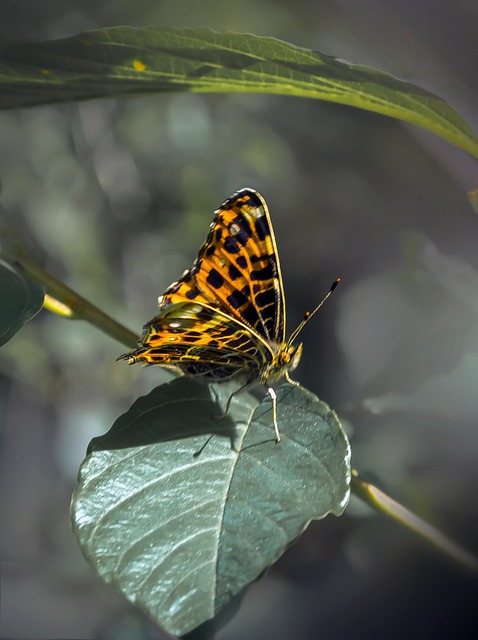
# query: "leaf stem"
66, 302
383, 503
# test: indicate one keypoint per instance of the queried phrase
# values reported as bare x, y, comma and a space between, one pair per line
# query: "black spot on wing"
236, 299
250, 316
191, 339
266, 298
214, 279
195, 334
262, 228
230, 245
260, 258
241, 262
234, 273
266, 273
191, 294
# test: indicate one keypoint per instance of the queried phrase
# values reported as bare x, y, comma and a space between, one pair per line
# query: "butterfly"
225, 317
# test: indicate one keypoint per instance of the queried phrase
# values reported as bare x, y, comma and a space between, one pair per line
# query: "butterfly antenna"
308, 315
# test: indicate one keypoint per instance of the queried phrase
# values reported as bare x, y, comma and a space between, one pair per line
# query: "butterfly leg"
290, 381
273, 396
235, 393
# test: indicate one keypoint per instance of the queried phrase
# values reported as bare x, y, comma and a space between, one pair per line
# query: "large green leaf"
181, 509
20, 300
121, 61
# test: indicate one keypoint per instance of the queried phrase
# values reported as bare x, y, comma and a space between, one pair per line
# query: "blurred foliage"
115, 196
122, 61
21, 301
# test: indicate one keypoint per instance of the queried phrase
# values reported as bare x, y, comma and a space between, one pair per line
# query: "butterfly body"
225, 317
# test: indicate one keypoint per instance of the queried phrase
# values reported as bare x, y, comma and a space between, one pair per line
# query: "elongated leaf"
180, 509
121, 61
20, 300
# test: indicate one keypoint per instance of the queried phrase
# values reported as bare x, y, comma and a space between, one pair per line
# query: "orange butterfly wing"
226, 313
237, 269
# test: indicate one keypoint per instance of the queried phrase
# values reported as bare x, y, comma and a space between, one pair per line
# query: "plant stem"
379, 501
73, 305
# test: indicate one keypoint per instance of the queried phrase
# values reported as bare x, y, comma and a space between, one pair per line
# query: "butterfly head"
286, 358
291, 355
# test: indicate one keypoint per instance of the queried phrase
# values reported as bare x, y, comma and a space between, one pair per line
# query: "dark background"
116, 197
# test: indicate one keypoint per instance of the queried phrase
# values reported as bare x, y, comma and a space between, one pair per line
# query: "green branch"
66, 302
379, 501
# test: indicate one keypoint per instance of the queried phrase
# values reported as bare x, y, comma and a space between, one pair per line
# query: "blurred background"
115, 198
